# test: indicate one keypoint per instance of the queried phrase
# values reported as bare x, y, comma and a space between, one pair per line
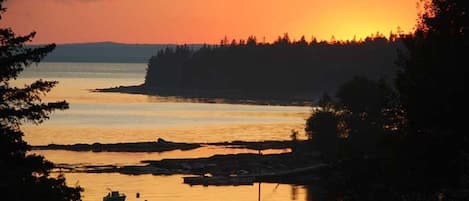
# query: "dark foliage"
323, 129
370, 111
282, 69
412, 143
24, 176
433, 79
357, 120
432, 84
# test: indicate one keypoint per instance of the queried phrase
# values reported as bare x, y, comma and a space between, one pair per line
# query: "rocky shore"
262, 167
262, 145
159, 145
162, 145
244, 165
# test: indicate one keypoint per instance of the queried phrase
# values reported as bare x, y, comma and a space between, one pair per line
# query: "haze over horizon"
204, 21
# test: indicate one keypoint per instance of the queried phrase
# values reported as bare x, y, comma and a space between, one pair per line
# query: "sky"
205, 21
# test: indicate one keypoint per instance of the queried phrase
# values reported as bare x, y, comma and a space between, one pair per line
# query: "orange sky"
204, 21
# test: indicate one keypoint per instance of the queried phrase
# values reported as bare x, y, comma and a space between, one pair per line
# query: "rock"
161, 140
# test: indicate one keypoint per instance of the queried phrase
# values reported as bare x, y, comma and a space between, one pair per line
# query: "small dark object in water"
219, 180
137, 195
114, 196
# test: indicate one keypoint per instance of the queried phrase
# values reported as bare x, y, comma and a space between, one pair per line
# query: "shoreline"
162, 145
156, 146
224, 167
262, 168
211, 96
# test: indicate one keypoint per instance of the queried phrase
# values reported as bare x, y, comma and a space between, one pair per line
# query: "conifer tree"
24, 176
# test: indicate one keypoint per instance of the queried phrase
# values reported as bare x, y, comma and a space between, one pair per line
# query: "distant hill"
106, 52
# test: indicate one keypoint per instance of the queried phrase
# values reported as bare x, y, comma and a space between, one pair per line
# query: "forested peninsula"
284, 70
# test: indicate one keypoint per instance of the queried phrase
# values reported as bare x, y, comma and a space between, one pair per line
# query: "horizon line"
217, 43
119, 43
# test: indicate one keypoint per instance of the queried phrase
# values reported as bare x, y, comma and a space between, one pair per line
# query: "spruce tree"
25, 176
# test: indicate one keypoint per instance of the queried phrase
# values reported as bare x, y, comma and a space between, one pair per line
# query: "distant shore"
162, 145
156, 146
209, 96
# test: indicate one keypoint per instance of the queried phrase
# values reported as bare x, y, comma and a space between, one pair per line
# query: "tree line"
283, 69
406, 140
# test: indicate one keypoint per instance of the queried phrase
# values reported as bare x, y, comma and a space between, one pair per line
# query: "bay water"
117, 117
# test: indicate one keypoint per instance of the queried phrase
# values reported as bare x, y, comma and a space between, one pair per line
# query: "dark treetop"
22, 176
284, 69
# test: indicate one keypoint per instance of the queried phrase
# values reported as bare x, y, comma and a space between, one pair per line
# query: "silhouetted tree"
362, 114
366, 106
367, 98
22, 176
423, 146
323, 129
433, 83
433, 79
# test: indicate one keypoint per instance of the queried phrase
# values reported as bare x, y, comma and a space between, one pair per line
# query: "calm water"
170, 188
114, 117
